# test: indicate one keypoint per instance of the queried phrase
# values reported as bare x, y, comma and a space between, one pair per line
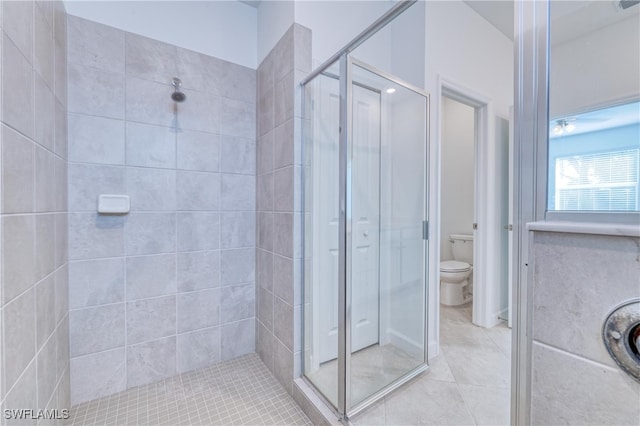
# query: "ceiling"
499, 13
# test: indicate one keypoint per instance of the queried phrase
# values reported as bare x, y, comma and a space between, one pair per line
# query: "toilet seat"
454, 266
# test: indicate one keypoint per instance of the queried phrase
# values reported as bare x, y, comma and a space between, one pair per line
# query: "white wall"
597, 69
274, 19
224, 29
464, 48
458, 168
336, 23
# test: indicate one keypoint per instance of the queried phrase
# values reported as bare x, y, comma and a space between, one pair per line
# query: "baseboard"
405, 343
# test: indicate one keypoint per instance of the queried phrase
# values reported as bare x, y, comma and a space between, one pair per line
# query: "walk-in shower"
365, 229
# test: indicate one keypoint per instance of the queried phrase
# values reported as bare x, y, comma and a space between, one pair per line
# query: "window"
607, 181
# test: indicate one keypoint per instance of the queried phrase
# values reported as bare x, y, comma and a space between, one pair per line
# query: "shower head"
177, 95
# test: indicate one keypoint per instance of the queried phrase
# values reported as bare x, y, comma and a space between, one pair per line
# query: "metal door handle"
365, 233
508, 227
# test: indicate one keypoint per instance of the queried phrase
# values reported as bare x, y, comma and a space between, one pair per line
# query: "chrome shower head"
177, 95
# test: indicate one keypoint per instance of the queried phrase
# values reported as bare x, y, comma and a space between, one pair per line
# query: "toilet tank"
462, 247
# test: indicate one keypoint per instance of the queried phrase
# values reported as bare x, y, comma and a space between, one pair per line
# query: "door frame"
486, 297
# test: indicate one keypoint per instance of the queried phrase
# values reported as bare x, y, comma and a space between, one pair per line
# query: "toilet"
455, 275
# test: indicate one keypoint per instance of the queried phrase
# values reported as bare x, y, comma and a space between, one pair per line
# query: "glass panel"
594, 127
321, 197
386, 195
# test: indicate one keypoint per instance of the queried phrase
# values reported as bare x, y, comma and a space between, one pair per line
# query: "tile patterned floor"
237, 392
467, 384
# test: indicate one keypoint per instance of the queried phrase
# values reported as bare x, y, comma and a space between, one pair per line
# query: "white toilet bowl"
454, 278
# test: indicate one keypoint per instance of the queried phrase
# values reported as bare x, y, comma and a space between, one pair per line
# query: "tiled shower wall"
34, 360
577, 279
278, 195
169, 287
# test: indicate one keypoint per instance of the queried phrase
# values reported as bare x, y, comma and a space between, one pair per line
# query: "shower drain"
621, 335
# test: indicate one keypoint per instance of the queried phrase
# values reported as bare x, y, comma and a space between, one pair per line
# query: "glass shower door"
365, 190
386, 212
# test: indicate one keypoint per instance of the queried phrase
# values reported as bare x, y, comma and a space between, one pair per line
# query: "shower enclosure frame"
344, 409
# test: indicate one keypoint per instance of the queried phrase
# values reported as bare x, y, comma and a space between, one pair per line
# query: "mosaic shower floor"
237, 392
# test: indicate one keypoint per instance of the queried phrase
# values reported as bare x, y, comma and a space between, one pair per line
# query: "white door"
365, 219
325, 219
364, 180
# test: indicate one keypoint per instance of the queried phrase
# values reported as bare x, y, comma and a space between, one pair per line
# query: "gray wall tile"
264, 269
44, 120
198, 231
151, 189
198, 191
96, 92
265, 308
198, 151
61, 277
97, 375
88, 181
149, 102
283, 197
94, 236
95, 45
96, 282
237, 339
283, 322
283, 278
150, 319
198, 349
265, 231
151, 361
198, 270
199, 72
611, 273
237, 266
238, 303
150, 59
61, 185
237, 229
18, 162
18, 255
19, 337
283, 56
283, 234
283, 100
46, 369
150, 146
571, 390
266, 111
238, 192
43, 46
265, 153
265, 192
283, 365
17, 83
61, 129
237, 82
17, 22
96, 139
237, 118
201, 112
264, 344
150, 233
199, 309
45, 244
151, 276
24, 393
283, 139
96, 329
45, 180
238, 155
